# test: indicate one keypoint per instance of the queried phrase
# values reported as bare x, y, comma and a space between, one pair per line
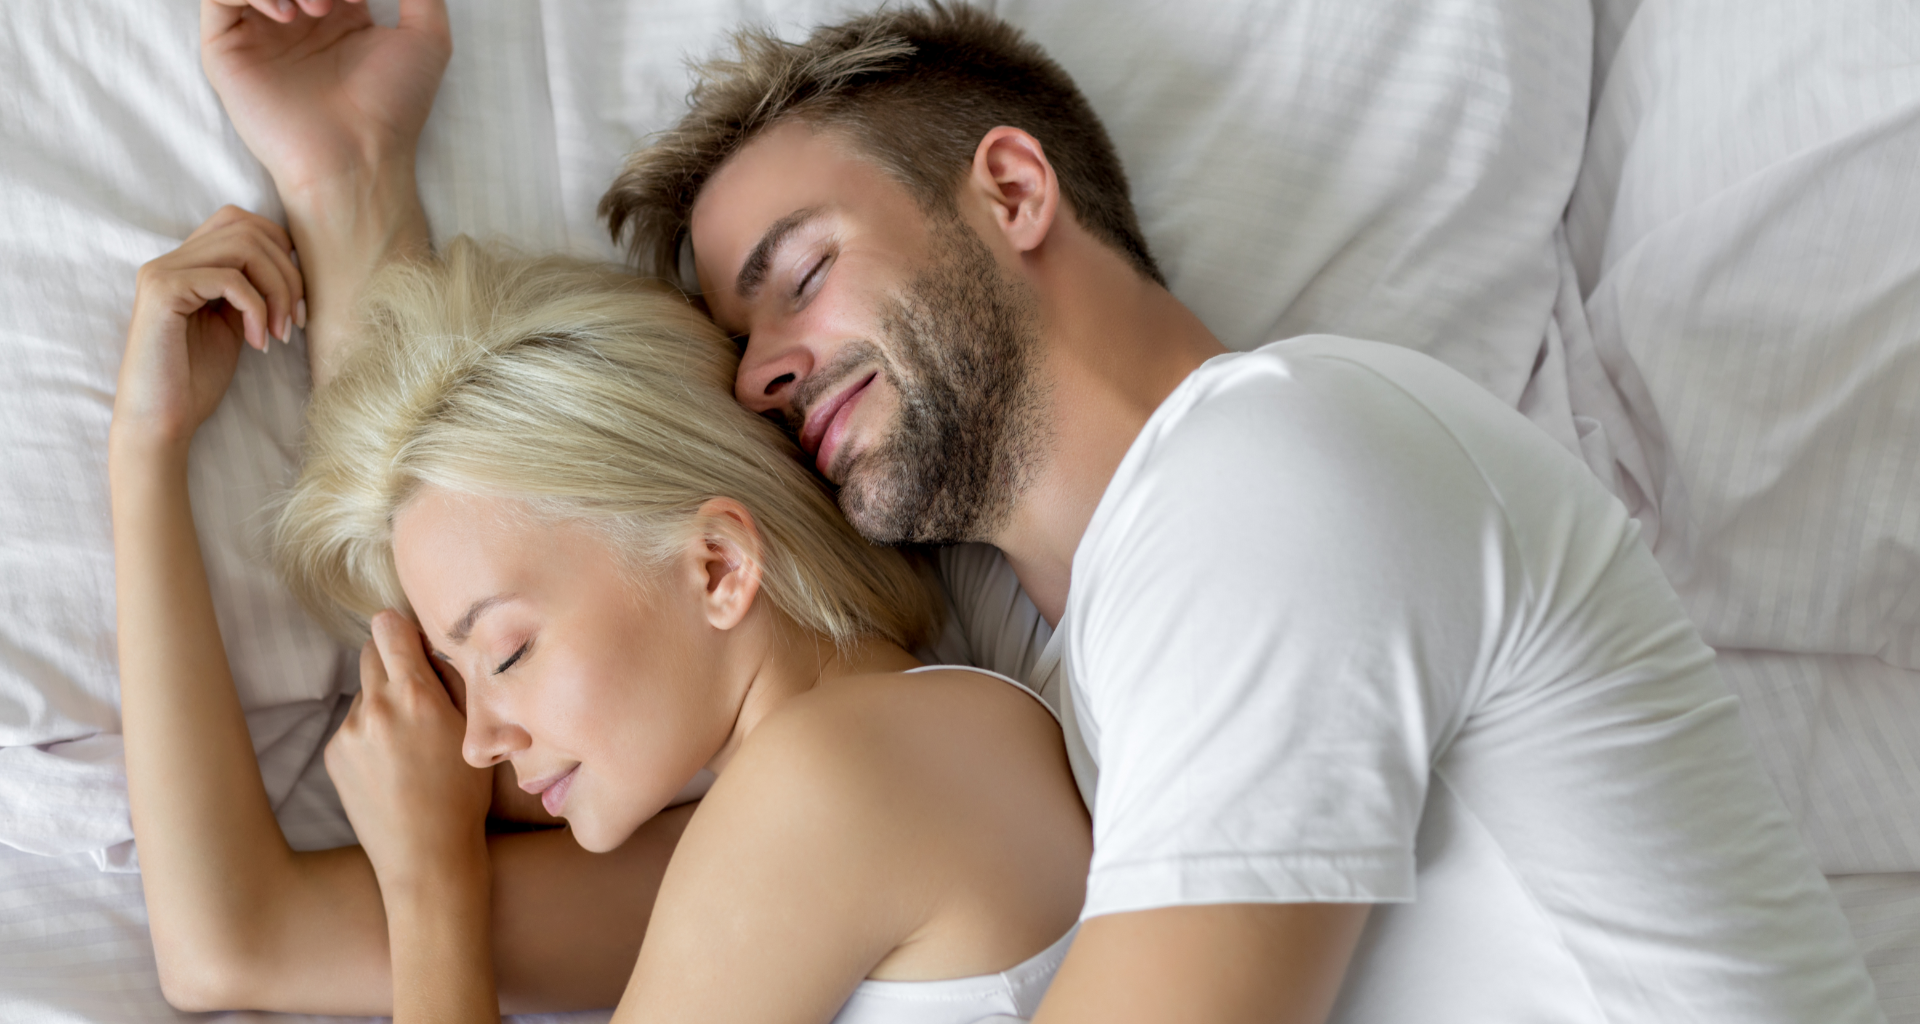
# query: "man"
1336, 629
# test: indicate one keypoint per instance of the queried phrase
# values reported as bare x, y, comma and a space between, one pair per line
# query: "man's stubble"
964, 344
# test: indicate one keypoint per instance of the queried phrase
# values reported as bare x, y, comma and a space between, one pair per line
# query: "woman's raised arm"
239, 919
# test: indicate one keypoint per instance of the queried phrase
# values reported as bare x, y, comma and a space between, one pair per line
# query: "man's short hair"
915, 88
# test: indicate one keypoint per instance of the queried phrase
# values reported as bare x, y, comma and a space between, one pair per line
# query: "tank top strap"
1010, 681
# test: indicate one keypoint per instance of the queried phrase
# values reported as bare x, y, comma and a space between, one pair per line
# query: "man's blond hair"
915, 88
582, 393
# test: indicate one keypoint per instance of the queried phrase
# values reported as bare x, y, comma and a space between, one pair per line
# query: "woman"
626, 579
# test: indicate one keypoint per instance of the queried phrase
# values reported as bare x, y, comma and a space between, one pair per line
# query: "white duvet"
1394, 169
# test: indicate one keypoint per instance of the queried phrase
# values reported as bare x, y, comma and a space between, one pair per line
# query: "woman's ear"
1010, 171
727, 553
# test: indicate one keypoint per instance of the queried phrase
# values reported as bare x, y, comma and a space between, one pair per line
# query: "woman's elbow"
201, 976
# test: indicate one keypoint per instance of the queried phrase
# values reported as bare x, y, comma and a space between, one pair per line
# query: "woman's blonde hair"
586, 394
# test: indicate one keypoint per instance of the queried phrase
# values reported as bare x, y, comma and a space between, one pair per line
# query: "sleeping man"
1381, 709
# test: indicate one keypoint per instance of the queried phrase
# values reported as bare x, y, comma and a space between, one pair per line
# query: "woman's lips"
836, 431
554, 796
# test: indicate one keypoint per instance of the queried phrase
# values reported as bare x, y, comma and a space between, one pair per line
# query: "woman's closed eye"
512, 658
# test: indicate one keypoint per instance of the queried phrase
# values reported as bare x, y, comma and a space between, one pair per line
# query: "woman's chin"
596, 835
594, 840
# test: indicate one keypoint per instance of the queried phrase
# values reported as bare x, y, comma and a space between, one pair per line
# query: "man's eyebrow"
753, 272
464, 628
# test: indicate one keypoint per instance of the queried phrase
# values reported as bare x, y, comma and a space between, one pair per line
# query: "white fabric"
1415, 637
1884, 910
1011, 995
1745, 229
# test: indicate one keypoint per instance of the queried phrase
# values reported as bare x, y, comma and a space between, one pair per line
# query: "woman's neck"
792, 660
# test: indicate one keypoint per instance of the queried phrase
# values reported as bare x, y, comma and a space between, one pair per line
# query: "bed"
1679, 236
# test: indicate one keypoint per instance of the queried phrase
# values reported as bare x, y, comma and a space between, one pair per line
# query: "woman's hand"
318, 91
418, 808
420, 812
232, 282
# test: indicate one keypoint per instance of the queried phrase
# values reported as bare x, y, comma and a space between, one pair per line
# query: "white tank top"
1010, 996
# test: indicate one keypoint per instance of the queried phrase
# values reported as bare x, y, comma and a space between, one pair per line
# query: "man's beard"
963, 343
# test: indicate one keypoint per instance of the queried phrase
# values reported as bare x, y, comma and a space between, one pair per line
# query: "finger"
278, 277
220, 16
427, 16
224, 216
244, 242
373, 671
350, 725
401, 649
230, 215
316, 8
201, 285
451, 680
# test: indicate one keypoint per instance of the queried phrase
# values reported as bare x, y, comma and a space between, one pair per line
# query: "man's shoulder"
1296, 421
1311, 383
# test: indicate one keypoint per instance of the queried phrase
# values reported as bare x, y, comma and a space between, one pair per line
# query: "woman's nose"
489, 739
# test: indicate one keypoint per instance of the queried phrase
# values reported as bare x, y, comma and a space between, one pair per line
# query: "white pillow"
1393, 170
1746, 228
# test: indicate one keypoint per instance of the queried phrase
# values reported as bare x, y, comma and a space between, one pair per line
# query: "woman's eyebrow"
754, 271
464, 628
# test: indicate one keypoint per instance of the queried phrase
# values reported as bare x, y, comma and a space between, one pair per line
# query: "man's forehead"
786, 169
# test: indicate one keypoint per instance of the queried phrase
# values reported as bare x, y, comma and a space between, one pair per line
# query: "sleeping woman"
579, 558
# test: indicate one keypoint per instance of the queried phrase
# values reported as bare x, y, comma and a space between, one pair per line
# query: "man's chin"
872, 501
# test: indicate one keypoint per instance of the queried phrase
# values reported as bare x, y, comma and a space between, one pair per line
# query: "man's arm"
333, 107
1237, 963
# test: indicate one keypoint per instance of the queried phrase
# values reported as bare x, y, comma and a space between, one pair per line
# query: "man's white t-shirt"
1346, 628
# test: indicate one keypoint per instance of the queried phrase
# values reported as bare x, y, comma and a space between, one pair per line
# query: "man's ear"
726, 550
1010, 170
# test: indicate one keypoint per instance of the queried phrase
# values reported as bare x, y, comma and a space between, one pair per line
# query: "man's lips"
826, 425
552, 790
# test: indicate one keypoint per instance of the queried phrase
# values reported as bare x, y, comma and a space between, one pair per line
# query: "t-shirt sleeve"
1280, 613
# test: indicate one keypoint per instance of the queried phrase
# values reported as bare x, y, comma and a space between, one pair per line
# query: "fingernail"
285, 7
300, 313
286, 328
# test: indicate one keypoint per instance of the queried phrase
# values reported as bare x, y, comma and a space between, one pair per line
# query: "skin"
1113, 346
864, 824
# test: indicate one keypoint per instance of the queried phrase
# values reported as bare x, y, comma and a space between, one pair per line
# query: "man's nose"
490, 740
771, 370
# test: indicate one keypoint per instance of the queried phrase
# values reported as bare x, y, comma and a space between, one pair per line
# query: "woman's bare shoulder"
943, 796
863, 739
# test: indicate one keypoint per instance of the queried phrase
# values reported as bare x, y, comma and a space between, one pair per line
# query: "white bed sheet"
1745, 231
